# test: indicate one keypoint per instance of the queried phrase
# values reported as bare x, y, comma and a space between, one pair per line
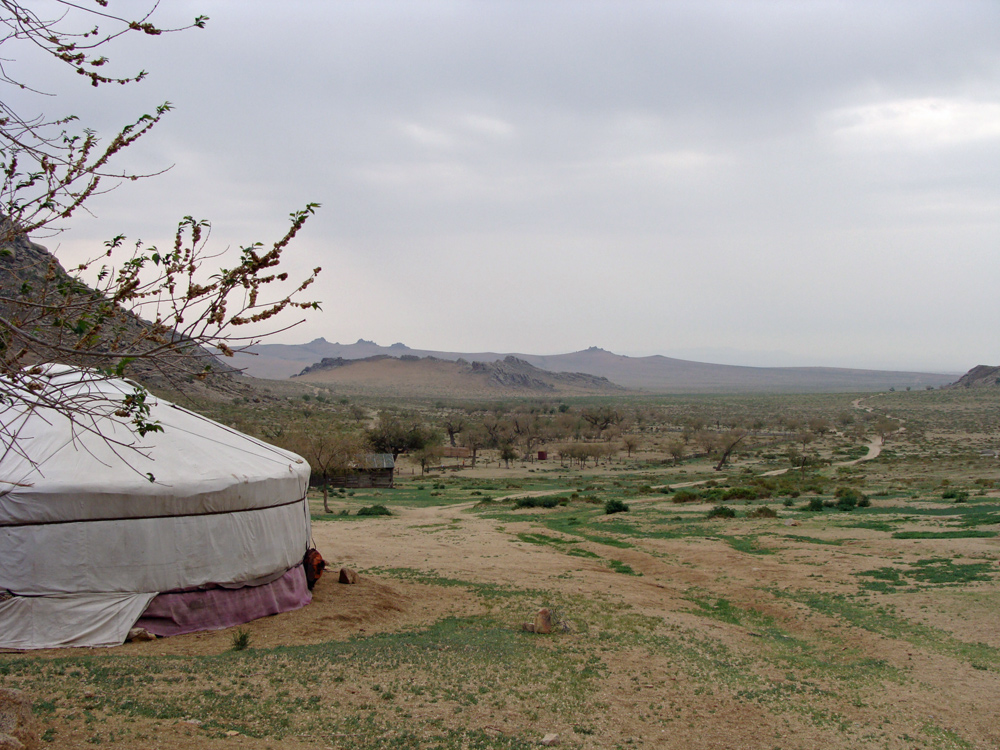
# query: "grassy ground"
811, 623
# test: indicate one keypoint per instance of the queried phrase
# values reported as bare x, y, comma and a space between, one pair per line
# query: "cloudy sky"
747, 182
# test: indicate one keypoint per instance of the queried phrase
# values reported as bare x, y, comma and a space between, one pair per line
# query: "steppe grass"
789, 650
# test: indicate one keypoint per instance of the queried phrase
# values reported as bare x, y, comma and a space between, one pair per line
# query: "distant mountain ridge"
654, 374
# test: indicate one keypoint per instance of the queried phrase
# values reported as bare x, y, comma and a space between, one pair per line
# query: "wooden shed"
375, 470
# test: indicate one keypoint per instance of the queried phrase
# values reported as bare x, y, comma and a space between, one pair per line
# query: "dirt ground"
755, 635
646, 696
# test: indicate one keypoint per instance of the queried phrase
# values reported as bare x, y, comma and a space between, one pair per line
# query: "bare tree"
602, 417
886, 427
631, 443
727, 444
49, 172
328, 452
131, 309
429, 455
453, 425
475, 439
676, 449
706, 440
154, 315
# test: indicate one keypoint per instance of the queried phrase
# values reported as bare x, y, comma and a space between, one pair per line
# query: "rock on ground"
348, 576
18, 727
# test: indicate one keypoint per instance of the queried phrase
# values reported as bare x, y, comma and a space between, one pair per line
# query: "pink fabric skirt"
173, 613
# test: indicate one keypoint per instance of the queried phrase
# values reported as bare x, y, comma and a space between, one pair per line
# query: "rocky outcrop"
980, 376
510, 373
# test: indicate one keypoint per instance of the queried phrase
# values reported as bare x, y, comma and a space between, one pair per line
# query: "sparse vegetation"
680, 608
240, 639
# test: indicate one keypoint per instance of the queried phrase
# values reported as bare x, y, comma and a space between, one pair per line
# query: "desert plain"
845, 601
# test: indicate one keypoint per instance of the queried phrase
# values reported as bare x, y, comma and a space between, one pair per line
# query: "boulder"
348, 576
550, 739
18, 727
543, 621
140, 634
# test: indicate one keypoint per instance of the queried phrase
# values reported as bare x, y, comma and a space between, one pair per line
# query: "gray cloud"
810, 182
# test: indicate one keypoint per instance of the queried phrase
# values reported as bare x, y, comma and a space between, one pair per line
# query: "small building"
374, 470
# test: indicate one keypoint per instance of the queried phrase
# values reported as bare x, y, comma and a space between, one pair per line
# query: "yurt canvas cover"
195, 527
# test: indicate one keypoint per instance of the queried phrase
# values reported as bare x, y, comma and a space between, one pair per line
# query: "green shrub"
746, 493
240, 639
847, 499
722, 511
537, 502
686, 496
847, 503
762, 512
615, 506
815, 504
374, 510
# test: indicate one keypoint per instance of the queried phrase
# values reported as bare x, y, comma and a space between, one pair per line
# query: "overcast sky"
765, 183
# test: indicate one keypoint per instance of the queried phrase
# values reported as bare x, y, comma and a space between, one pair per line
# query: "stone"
17, 722
348, 576
543, 621
550, 739
140, 634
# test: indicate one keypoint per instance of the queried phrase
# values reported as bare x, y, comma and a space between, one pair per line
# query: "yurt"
194, 527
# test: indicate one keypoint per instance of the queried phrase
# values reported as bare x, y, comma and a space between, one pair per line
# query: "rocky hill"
30, 276
410, 375
980, 376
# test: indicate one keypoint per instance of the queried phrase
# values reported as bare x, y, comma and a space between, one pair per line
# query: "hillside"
980, 376
655, 374
429, 376
33, 279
